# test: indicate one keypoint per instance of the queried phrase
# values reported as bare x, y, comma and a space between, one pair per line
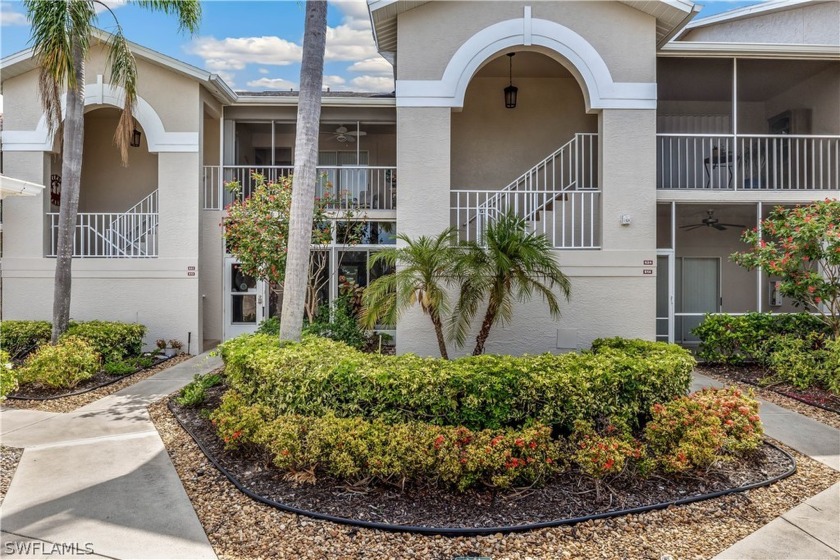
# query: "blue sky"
255, 44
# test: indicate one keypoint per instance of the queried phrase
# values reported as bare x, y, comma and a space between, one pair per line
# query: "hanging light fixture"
135, 138
510, 91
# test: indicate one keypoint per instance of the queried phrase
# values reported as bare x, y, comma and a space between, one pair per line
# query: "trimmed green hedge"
64, 365
114, 341
319, 376
19, 337
735, 339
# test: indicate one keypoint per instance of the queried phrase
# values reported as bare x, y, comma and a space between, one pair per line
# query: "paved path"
99, 478
811, 530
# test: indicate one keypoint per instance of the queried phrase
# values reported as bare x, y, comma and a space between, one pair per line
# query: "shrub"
731, 339
144, 362
338, 322
600, 455
480, 392
357, 449
8, 375
806, 362
118, 368
112, 340
18, 338
270, 326
64, 365
195, 392
695, 431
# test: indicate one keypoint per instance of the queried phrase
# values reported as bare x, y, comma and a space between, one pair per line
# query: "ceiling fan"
712, 222
343, 134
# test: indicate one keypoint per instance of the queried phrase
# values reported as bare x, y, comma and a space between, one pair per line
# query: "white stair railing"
132, 231
572, 167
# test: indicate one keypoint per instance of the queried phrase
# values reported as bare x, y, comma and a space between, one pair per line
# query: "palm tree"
306, 158
61, 33
512, 264
425, 267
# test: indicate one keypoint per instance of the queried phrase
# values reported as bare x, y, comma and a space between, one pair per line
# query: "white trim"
746, 50
747, 12
553, 39
100, 93
9, 186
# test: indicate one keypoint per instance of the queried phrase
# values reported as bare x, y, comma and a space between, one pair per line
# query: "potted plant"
161, 345
175, 346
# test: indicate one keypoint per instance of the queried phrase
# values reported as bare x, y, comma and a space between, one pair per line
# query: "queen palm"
61, 37
510, 265
424, 269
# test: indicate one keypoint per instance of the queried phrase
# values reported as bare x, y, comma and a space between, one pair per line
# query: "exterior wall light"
510, 91
135, 138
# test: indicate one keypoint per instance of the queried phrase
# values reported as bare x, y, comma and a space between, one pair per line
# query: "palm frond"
188, 11
123, 72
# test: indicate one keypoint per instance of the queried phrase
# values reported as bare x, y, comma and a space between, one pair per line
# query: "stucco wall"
492, 145
107, 185
429, 35
812, 24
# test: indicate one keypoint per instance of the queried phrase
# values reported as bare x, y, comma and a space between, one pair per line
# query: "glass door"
244, 301
665, 295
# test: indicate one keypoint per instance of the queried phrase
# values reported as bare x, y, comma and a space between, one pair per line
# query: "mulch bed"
570, 496
101, 379
753, 374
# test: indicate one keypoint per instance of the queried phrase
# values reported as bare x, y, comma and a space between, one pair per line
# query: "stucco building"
632, 124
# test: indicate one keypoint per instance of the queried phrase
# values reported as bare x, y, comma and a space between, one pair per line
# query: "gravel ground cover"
240, 528
571, 495
69, 404
9, 459
724, 375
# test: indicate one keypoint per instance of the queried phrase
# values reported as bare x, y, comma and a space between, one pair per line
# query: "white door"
665, 295
244, 301
698, 279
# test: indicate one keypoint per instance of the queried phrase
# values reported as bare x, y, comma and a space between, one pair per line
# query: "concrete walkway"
100, 480
811, 530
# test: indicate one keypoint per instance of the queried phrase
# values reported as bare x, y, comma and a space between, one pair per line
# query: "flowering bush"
807, 361
695, 431
802, 247
64, 365
600, 455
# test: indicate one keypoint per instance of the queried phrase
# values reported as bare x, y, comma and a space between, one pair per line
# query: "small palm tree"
425, 268
61, 34
512, 264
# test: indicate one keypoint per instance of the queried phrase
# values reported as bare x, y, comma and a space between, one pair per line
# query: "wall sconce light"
510, 91
135, 138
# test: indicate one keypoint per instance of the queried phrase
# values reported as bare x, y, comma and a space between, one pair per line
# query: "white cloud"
347, 42
234, 53
272, 83
334, 81
264, 71
373, 84
355, 10
113, 4
8, 18
228, 77
376, 66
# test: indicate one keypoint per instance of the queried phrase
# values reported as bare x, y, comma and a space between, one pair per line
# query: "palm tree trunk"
439, 334
306, 159
489, 317
71, 173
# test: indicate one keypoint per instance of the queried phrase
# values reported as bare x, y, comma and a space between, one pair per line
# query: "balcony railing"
569, 219
111, 236
748, 161
358, 186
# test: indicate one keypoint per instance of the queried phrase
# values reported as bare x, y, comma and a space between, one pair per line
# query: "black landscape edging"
88, 390
475, 531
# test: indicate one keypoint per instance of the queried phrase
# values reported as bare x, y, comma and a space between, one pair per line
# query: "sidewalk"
811, 530
100, 478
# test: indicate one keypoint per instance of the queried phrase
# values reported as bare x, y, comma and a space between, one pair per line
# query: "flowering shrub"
64, 365
802, 247
600, 455
695, 431
804, 362
8, 375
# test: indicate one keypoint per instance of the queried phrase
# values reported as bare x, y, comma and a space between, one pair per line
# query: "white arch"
99, 93
564, 45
